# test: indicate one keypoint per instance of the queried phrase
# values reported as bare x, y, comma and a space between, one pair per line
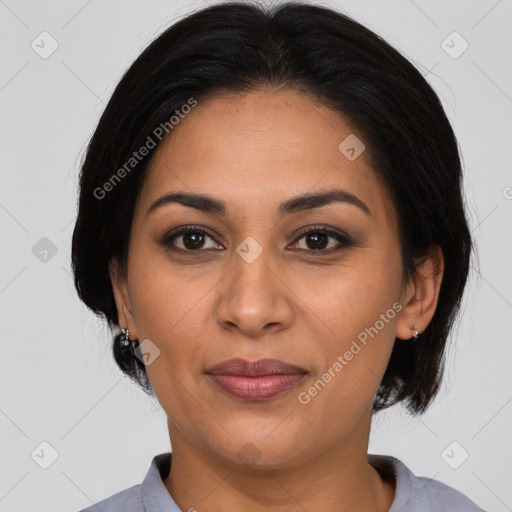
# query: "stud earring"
124, 340
416, 334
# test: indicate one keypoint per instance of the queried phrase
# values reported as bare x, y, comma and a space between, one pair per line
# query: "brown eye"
189, 239
319, 239
193, 240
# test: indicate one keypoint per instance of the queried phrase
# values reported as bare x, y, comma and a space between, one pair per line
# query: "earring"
416, 334
124, 340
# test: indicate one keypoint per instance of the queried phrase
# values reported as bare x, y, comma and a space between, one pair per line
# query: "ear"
420, 298
118, 279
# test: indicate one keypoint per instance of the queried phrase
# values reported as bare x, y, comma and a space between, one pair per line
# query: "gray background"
59, 383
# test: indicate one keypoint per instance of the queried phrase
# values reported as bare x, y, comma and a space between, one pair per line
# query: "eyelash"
345, 241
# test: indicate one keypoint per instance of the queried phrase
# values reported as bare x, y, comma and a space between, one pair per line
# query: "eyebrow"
296, 204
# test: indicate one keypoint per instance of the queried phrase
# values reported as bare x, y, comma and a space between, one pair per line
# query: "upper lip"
238, 366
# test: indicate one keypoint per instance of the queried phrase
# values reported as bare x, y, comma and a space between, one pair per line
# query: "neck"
337, 479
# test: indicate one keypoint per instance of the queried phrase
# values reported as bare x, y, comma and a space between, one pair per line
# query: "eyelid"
320, 227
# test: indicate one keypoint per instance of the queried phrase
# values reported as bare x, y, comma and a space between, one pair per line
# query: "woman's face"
257, 286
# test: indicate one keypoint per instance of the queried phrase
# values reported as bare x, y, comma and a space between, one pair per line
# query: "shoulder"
421, 494
441, 497
129, 500
427, 494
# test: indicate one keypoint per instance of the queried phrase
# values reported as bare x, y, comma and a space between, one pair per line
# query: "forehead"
257, 149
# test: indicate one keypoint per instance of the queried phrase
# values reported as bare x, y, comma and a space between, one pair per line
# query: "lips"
261, 367
257, 380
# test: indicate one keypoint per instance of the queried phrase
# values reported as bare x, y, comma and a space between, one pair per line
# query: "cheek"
163, 299
162, 310
357, 313
169, 311
350, 297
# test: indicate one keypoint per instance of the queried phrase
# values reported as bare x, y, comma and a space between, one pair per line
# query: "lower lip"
256, 388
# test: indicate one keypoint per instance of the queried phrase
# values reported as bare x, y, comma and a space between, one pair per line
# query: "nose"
254, 298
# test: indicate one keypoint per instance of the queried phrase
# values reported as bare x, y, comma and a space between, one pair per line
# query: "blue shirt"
413, 494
